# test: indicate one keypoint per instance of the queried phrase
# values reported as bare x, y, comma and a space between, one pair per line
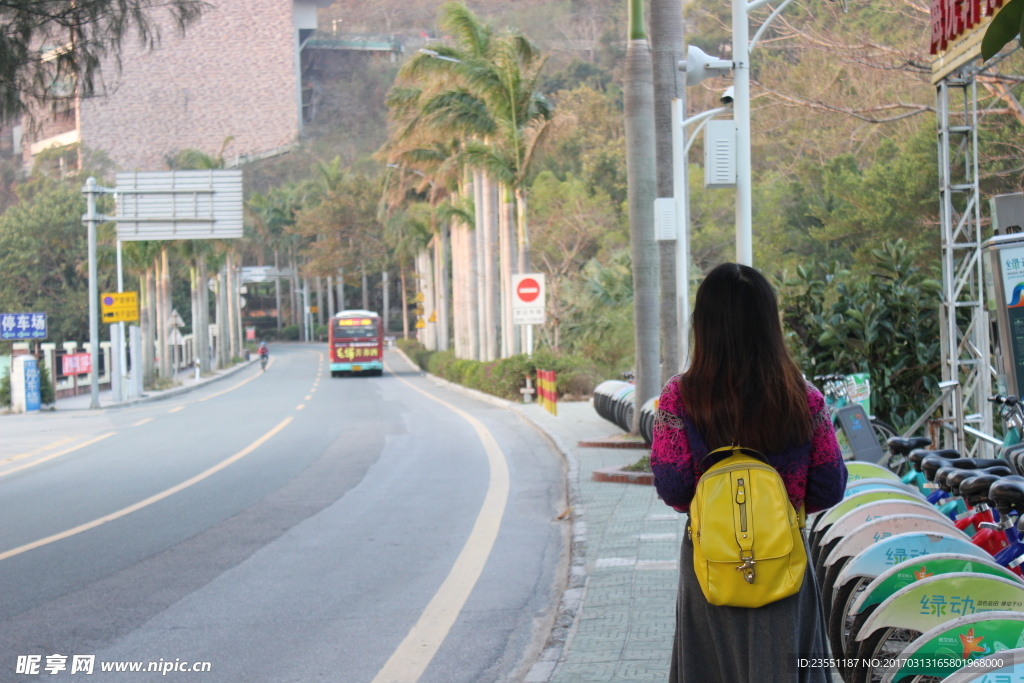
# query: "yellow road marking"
58, 454
142, 422
242, 383
308, 398
174, 410
300, 406
148, 501
20, 456
313, 390
414, 654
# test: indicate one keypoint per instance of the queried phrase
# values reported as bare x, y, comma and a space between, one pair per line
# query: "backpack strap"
726, 451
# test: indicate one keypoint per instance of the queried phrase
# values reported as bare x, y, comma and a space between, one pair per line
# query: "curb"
176, 391
619, 476
636, 445
567, 616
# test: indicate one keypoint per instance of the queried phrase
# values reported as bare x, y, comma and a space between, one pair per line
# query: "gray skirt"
739, 645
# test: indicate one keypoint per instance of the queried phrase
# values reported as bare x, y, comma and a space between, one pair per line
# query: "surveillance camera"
727, 96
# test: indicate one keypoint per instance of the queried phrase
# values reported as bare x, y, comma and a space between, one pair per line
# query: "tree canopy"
55, 50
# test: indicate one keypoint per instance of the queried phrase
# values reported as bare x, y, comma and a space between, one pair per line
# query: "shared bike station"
921, 566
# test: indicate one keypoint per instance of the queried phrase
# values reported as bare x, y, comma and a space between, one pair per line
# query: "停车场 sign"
17, 326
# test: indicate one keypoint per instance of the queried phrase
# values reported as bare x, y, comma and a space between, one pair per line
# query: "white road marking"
148, 501
413, 655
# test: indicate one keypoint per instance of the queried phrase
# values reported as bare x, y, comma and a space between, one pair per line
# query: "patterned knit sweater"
814, 472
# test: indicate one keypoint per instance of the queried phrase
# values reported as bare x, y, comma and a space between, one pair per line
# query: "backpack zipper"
741, 500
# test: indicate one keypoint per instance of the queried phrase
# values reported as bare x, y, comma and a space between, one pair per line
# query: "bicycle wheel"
840, 624
884, 644
883, 432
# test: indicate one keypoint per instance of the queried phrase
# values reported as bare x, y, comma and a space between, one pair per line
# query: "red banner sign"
76, 364
952, 18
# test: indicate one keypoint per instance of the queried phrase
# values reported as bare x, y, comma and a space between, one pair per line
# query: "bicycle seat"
941, 474
919, 454
954, 479
1007, 494
903, 445
933, 464
983, 463
975, 489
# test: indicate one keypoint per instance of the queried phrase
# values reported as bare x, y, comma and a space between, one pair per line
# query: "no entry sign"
528, 290
528, 299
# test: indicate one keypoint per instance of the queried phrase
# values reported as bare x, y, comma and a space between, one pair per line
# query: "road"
283, 526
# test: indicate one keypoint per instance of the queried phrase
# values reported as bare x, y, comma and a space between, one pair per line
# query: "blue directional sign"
15, 326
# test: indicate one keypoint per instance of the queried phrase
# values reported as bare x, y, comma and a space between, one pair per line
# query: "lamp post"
680, 146
699, 66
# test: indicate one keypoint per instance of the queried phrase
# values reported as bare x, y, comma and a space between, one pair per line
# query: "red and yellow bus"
356, 343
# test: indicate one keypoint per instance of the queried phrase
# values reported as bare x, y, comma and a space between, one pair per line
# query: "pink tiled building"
234, 73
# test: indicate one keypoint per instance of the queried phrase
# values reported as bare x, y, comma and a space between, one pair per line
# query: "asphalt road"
285, 526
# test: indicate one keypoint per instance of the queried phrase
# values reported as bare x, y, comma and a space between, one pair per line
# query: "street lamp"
680, 146
437, 55
699, 66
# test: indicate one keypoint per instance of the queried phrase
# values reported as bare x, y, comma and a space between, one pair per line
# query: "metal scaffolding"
966, 351
966, 338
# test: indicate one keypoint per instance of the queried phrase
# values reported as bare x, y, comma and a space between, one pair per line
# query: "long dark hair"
742, 386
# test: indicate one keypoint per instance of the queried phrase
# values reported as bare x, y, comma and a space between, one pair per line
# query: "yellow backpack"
748, 549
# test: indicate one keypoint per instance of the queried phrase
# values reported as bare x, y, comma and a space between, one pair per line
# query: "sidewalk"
185, 381
625, 566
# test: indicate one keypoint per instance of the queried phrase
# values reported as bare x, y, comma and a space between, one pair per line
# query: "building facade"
234, 74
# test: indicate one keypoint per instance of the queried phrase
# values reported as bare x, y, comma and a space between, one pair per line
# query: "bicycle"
841, 391
941, 554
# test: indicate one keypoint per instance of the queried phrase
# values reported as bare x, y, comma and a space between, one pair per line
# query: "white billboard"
179, 205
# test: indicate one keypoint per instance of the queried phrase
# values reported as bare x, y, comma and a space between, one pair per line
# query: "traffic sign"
14, 326
417, 298
433, 317
528, 299
420, 324
117, 307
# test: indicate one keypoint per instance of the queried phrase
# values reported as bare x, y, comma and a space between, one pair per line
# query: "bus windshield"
354, 329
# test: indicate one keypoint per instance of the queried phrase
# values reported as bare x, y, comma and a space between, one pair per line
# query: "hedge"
576, 376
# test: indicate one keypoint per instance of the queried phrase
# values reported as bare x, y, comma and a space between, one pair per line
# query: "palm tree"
642, 186
669, 83
485, 89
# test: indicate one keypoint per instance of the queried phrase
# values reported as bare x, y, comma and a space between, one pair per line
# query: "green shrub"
290, 332
886, 324
46, 393
576, 375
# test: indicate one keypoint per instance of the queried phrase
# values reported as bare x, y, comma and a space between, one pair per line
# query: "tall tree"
640, 154
667, 50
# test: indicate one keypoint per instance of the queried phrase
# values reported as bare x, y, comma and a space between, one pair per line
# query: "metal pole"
741, 117
384, 286
121, 336
307, 316
94, 296
680, 192
529, 340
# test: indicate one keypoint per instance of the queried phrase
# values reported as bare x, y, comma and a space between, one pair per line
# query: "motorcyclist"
263, 350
